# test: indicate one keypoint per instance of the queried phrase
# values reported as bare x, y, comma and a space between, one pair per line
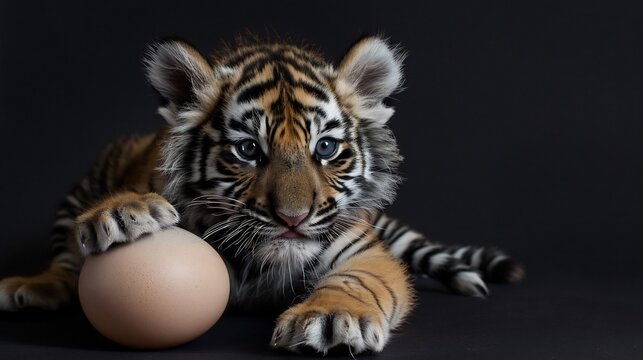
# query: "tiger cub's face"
272, 149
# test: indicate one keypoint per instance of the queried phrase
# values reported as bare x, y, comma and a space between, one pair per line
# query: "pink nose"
292, 220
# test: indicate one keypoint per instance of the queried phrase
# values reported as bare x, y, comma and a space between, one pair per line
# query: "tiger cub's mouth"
292, 234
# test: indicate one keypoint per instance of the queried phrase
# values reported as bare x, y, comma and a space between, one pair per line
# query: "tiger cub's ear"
373, 68
179, 73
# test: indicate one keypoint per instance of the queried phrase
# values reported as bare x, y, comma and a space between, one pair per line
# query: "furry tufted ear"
373, 68
179, 73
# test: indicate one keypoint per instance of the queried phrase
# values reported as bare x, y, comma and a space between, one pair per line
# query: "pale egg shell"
160, 291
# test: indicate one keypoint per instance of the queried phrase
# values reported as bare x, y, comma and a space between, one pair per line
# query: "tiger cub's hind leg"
57, 285
49, 290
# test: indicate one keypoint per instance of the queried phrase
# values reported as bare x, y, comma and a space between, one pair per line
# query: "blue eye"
248, 149
326, 148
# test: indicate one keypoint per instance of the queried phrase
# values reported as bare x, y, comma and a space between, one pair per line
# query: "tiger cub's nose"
292, 221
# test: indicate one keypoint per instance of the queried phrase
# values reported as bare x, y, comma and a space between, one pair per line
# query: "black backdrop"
520, 124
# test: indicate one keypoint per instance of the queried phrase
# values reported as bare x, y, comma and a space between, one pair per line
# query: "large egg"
160, 291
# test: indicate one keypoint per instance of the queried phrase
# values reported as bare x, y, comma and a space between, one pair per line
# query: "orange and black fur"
284, 162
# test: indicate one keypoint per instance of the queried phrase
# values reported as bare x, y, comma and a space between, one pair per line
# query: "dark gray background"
521, 126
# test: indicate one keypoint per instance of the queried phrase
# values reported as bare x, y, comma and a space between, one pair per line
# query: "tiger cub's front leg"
122, 218
357, 304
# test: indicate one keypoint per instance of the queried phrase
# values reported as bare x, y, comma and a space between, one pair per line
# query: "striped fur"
460, 268
283, 162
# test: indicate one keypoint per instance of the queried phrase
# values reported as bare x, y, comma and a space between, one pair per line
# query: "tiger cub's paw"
325, 327
44, 291
123, 218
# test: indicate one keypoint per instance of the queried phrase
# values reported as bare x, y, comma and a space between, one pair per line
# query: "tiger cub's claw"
122, 218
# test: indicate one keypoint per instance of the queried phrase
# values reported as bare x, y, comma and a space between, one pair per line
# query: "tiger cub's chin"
291, 253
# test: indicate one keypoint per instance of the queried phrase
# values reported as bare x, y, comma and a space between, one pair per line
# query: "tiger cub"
283, 161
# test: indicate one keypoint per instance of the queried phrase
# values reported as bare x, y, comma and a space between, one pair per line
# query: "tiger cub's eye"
326, 148
248, 149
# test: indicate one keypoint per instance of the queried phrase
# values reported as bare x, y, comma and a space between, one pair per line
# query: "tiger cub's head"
272, 148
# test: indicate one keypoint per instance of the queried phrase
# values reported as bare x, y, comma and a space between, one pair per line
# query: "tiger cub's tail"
462, 269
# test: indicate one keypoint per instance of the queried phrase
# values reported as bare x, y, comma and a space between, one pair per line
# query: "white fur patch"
476, 259
458, 254
436, 261
469, 283
402, 243
283, 267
